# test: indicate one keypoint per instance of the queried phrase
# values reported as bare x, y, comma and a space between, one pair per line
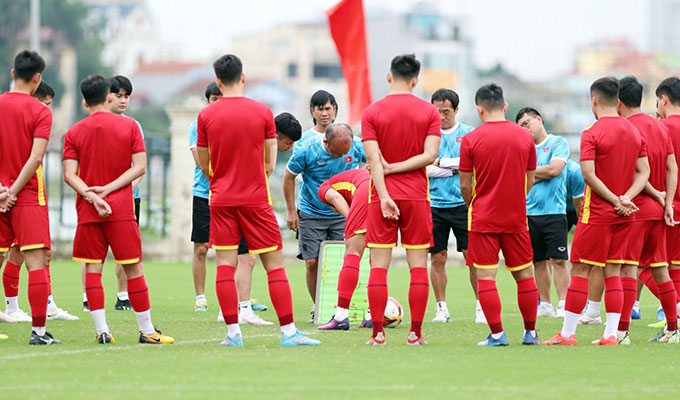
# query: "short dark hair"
331, 131
490, 97
527, 110
95, 88
606, 90
212, 90
671, 88
405, 66
228, 69
28, 63
43, 91
121, 82
289, 126
320, 98
630, 91
446, 94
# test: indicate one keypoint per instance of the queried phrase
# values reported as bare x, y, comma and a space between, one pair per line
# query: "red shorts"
92, 242
28, 226
257, 224
647, 244
483, 250
673, 244
601, 244
358, 211
414, 223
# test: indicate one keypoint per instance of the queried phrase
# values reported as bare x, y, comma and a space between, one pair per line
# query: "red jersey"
234, 129
499, 154
400, 123
23, 118
659, 148
345, 183
103, 144
672, 124
615, 145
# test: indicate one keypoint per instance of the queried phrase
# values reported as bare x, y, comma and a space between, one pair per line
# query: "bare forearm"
597, 186
671, 181
413, 163
126, 178
270, 156
289, 190
546, 172
639, 182
29, 169
75, 182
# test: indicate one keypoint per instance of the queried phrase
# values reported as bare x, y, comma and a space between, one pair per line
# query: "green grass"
197, 367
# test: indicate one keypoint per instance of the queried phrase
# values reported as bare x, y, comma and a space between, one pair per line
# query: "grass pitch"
342, 367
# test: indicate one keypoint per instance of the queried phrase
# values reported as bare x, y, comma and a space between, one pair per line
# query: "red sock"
377, 298
418, 291
668, 298
348, 279
527, 298
94, 291
629, 286
49, 280
613, 295
646, 278
577, 294
675, 277
37, 295
10, 279
491, 303
279, 292
138, 293
227, 295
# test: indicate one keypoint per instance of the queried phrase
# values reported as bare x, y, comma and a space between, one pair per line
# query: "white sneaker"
442, 315
480, 318
546, 312
559, 312
6, 318
61, 315
586, 319
220, 317
19, 316
253, 320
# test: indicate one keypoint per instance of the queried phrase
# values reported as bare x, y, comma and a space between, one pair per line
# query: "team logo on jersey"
459, 139
348, 159
562, 249
321, 162
547, 149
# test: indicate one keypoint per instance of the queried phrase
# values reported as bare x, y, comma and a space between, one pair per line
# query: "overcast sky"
535, 39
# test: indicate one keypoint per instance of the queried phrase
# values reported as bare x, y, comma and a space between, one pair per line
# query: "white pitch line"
126, 347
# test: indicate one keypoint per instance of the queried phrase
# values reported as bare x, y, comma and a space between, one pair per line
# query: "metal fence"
154, 191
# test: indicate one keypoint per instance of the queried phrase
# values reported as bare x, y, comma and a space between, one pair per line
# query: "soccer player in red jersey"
98, 154
347, 194
24, 134
647, 247
501, 158
10, 275
668, 108
615, 169
401, 137
235, 135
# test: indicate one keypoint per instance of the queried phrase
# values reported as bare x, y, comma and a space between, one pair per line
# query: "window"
292, 70
327, 71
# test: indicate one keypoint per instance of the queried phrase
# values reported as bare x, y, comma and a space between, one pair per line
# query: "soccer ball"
393, 313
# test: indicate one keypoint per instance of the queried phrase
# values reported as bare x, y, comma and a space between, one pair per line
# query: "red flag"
348, 29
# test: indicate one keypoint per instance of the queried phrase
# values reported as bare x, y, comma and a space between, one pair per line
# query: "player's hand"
389, 209
387, 167
101, 191
668, 216
293, 220
625, 206
103, 208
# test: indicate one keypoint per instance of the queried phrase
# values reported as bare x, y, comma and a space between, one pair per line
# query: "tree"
69, 24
